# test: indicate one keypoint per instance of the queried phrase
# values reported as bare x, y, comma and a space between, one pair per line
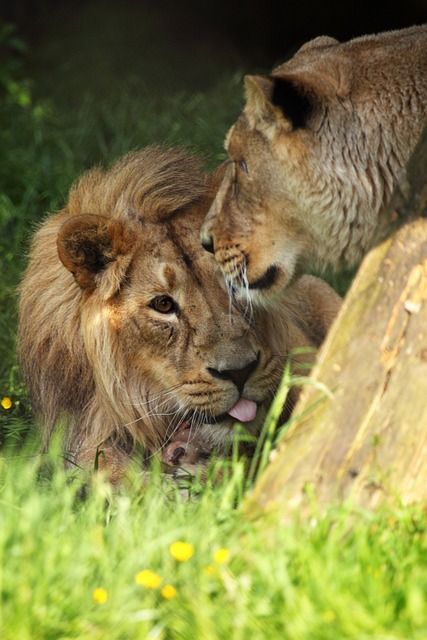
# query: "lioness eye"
243, 166
163, 304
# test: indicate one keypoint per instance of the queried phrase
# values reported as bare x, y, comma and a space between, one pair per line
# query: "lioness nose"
238, 376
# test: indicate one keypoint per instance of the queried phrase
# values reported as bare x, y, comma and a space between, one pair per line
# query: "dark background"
93, 44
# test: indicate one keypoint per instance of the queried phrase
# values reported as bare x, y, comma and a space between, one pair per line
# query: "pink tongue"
244, 410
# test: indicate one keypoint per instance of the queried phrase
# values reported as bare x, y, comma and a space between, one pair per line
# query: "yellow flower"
148, 579
210, 570
168, 591
100, 595
6, 403
221, 556
181, 551
329, 616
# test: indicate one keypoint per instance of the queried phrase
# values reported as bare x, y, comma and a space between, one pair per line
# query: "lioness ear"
259, 109
292, 99
97, 251
277, 101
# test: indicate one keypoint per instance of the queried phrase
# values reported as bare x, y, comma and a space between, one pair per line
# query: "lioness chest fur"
315, 155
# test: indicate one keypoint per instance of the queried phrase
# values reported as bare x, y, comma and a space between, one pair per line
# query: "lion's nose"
238, 376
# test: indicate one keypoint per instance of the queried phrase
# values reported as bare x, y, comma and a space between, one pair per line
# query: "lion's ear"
97, 251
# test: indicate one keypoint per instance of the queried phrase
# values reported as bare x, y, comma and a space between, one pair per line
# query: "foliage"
150, 565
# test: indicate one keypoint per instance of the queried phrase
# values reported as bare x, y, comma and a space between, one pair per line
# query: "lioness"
314, 156
126, 329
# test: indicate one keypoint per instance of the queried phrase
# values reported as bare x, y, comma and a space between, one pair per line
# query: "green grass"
347, 574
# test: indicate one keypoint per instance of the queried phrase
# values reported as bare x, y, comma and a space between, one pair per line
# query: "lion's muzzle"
238, 376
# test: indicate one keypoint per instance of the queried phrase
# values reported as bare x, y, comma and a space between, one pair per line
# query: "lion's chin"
221, 420
224, 432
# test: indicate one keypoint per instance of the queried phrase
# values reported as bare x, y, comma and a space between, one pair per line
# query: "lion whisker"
148, 415
245, 286
180, 418
153, 397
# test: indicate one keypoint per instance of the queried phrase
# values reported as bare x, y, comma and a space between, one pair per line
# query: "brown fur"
126, 329
315, 155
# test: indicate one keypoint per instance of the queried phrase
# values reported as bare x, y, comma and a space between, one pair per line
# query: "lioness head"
126, 328
314, 156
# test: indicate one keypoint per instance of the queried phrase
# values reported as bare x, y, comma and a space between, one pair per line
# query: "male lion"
315, 155
126, 329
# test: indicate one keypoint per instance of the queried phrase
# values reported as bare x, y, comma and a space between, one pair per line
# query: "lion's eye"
163, 304
243, 166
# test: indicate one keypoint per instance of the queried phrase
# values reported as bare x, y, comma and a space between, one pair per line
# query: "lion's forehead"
175, 266
169, 243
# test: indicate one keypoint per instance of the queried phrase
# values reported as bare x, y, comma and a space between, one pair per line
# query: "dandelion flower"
181, 551
6, 403
329, 616
168, 591
148, 579
210, 570
221, 556
100, 595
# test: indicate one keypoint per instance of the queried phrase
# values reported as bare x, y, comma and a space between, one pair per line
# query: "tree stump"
367, 439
